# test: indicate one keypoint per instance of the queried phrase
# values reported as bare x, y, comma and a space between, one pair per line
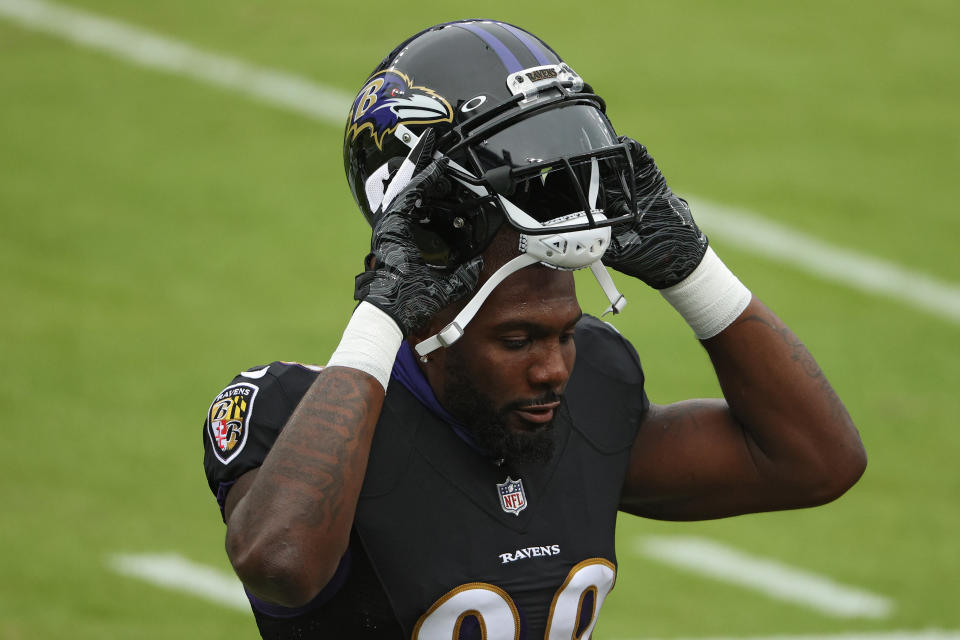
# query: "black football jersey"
448, 543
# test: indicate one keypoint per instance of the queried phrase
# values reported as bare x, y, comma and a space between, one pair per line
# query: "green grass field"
159, 234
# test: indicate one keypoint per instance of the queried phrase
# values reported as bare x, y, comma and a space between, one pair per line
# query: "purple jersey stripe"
509, 60
529, 42
223, 489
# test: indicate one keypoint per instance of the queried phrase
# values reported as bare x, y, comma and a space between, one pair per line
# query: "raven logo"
390, 99
228, 421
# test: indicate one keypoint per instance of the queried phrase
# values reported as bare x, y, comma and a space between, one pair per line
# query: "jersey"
448, 543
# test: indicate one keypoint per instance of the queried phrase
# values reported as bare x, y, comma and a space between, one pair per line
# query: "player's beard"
488, 424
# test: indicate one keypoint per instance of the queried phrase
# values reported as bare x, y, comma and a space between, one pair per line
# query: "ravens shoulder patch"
228, 421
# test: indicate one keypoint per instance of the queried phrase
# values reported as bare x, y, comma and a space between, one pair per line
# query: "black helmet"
528, 141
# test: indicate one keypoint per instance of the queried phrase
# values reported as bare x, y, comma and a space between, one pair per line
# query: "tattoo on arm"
313, 467
800, 355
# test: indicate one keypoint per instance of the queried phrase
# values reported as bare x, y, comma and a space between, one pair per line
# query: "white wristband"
369, 343
710, 298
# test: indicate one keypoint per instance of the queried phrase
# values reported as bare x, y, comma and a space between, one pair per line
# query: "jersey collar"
406, 372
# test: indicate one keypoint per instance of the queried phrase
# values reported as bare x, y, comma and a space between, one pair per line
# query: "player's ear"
437, 322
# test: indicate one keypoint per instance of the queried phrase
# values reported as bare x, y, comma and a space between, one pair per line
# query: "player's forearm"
800, 434
287, 534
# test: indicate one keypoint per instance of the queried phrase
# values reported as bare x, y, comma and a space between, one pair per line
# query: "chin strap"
617, 301
453, 331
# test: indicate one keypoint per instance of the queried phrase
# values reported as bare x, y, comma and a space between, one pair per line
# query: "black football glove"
664, 245
397, 280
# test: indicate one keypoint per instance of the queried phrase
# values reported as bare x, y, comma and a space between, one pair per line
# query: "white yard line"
153, 50
769, 577
751, 232
173, 571
746, 230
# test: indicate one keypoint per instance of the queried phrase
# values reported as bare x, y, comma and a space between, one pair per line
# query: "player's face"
504, 379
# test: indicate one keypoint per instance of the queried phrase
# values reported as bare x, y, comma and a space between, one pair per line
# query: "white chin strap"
453, 331
561, 250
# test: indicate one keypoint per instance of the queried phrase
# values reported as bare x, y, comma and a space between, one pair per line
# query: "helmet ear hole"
434, 248
448, 237
500, 180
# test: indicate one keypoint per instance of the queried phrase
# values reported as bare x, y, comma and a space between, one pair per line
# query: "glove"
663, 245
396, 279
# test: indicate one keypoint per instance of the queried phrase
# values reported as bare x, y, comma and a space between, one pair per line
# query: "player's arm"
289, 521
780, 438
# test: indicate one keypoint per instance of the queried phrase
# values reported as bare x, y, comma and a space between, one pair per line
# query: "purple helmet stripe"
509, 60
531, 43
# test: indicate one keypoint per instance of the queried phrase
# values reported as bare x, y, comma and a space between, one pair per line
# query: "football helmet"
527, 143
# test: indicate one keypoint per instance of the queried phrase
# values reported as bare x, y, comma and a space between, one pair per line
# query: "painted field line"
173, 571
743, 229
153, 50
750, 232
769, 577
923, 634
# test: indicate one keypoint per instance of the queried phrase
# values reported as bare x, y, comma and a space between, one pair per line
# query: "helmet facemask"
525, 145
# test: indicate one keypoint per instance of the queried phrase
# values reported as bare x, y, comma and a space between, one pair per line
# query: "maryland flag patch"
229, 418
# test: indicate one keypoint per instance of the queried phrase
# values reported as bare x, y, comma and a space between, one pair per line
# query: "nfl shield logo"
512, 498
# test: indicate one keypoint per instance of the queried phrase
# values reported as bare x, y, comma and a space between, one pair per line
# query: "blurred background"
170, 218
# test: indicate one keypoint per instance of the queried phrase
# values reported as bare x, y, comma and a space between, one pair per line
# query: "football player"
456, 469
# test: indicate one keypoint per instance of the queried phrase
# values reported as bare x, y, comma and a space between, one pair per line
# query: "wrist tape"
369, 343
710, 298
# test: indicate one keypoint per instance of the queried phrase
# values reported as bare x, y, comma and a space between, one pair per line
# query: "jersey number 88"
588, 583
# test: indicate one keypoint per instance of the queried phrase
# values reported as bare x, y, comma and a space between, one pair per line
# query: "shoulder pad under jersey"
245, 418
